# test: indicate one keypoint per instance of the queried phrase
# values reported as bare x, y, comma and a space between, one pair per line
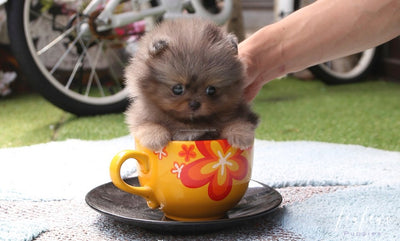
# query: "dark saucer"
258, 201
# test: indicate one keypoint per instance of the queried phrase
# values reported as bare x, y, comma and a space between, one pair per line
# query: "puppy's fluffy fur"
186, 83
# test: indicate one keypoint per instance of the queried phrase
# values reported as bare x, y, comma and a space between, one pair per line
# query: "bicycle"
74, 52
349, 69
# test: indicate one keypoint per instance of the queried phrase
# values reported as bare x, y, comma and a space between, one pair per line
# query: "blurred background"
249, 16
50, 88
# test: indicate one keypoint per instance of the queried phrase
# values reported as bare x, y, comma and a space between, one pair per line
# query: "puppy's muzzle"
194, 105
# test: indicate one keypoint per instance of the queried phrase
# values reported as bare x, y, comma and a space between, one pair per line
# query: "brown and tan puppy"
185, 82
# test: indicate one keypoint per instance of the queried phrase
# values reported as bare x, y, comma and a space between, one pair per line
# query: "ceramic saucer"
258, 201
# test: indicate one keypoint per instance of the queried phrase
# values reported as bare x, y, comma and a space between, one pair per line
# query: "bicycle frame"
169, 8
79, 48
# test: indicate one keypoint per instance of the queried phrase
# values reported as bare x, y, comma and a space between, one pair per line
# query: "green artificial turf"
365, 113
30, 119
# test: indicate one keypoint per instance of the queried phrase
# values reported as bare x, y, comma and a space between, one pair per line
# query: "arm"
322, 31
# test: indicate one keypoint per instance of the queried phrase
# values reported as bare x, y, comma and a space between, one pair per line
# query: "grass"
30, 119
365, 113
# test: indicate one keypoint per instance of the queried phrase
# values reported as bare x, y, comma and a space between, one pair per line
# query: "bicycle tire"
356, 72
219, 16
39, 76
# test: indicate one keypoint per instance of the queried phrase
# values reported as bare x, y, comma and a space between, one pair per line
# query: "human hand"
252, 81
260, 56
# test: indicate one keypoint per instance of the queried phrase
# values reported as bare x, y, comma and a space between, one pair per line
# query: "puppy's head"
190, 70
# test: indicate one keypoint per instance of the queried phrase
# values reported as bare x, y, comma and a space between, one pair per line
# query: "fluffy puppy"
186, 83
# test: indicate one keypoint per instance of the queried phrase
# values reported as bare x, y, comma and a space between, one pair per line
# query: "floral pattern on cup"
161, 153
218, 167
177, 169
187, 152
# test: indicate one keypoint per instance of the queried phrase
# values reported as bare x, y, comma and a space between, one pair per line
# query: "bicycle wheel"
217, 11
78, 71
350, 69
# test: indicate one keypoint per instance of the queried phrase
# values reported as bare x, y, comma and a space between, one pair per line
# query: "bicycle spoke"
76, 67
71, 60
93, 73
112, 71
118, 59
98, 83
93, 67
55, 67
55, 41
120, 63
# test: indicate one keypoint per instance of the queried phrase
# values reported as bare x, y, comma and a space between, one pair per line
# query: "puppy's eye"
210, 90
178, 89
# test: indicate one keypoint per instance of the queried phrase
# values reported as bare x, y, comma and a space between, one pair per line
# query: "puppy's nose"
194, 105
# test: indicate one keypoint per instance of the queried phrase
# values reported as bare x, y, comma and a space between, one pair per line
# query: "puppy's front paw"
239, 135
240, 140
153, 136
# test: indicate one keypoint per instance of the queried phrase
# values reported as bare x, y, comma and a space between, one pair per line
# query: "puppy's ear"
158, 46
233, 41
213, 33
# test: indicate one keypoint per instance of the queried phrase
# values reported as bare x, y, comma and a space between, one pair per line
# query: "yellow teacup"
188, 180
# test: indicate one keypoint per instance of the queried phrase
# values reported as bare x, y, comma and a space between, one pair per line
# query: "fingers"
251, 91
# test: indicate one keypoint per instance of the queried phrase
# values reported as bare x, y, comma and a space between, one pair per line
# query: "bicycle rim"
84, 68
349, 67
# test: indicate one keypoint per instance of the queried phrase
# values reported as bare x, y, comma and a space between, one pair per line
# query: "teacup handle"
115, 173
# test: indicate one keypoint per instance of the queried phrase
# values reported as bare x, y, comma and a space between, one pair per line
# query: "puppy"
186, 83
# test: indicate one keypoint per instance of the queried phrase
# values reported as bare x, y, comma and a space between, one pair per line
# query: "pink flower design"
219, 166
187, 152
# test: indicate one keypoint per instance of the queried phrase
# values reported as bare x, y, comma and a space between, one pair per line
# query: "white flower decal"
177, 169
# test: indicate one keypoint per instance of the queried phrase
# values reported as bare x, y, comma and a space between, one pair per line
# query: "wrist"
261, 54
